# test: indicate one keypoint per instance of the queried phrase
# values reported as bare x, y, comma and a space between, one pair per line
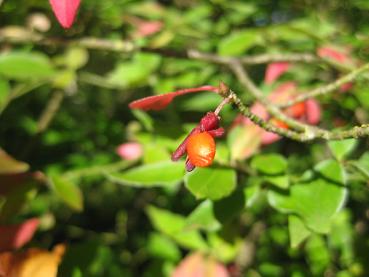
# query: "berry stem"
222, 104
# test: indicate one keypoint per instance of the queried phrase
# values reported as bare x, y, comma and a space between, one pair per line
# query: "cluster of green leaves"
139, 218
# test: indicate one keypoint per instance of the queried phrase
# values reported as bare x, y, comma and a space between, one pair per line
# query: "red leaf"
65, 11
313, 111
15, 236
159, 102
332, 53
274, 70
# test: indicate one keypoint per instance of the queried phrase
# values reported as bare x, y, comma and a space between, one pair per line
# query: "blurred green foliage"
141, 217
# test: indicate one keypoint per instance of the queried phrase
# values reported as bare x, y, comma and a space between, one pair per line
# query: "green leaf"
203, 218
316, 202
68, 192
341, 148
362, 165
280, 200
238, 43
25, 66
213, 183
174, 225
162, 247
8, 165
165, 173
298, 231
155, 153
318, 254
342, 237
135, 72
251, 194
223, 250
281, 181
332, 170
269, 163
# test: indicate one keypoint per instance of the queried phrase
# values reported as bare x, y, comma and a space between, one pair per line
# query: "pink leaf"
332, 53
196, 265
159, 102
147, 28
129, 150
65, 11
313, 111
269, 138
274, 70
15, 236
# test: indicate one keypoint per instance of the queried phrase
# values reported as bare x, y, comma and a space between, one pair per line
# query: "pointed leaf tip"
65, 11
161, 101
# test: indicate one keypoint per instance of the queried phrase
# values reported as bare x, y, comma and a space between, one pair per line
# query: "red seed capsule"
201, 149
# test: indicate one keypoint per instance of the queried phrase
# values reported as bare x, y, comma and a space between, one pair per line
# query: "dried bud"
209, 122
223, 89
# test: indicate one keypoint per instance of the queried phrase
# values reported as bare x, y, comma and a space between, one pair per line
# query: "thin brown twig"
19, 35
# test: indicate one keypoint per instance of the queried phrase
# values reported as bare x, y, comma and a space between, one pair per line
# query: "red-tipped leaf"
65, 11
159, 102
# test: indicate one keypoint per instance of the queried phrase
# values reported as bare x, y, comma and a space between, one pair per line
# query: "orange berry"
279, 123
201, 149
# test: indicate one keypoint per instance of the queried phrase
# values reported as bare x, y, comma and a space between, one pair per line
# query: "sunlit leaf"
238, 43
32, 262
150, 175
162, 247
68, 192
8, 165
269, 163
213, 183
25, 66
316, 201
298, 231
342, 148
174, 225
